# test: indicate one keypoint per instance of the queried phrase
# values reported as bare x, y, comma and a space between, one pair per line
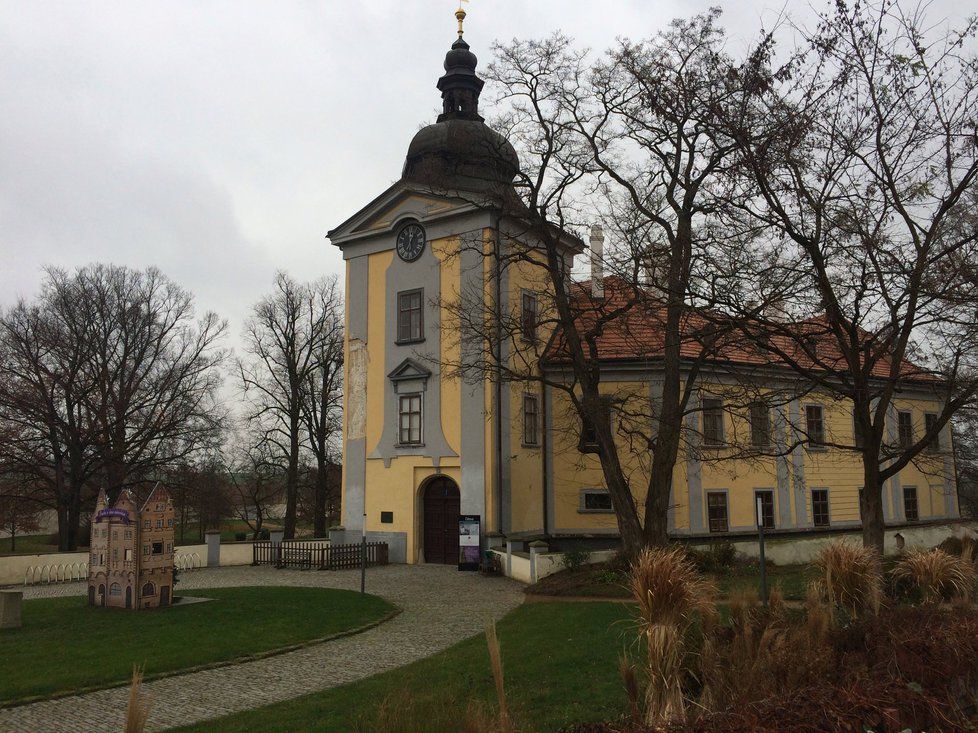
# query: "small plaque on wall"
387, 517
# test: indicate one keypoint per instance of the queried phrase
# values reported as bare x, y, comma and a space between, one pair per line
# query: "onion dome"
460, 151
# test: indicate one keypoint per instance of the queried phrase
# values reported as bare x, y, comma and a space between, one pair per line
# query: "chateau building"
426, 440
131, 563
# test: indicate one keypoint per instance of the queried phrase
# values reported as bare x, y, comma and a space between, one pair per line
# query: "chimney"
597, 261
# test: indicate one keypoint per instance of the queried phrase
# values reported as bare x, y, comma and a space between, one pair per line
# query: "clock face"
410, 242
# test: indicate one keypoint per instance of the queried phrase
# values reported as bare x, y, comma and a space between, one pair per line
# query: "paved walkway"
440, 607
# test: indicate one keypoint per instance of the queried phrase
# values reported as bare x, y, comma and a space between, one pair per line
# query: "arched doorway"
441, 508
128, 596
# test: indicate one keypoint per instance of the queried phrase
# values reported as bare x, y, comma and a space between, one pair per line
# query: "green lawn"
31, 544
560, 662
65, 645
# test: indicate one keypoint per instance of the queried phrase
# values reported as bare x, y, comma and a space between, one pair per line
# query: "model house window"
815, 425
930, 422
157, 548
596, 500
115, 589
146, 524
820, 507
148, 589
760, 425
145, 549
528, 317
905, 429
409, 410
716, 508
712, 421
169, 522
531, 419
910, 509
115, 553
766, 500
159, 524
128, 555
410, 316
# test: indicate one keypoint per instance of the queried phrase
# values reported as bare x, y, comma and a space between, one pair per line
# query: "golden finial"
460, 14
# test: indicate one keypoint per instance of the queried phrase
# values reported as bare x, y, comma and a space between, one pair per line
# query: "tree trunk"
319, 509
872, 505
292, 479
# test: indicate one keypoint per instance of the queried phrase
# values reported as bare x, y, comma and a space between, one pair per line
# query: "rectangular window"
528, 317
910, 508
146, 524
716, 503
159, 524
712, 421
760, 425
820, 507
905, 429
157, 548
145, 549
115, 553
409, 419
531, 419
930, 422
128, 555
169, 522
766, 500
596, 500
815, 425
410, 316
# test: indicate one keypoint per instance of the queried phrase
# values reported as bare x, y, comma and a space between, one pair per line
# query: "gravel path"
441, 606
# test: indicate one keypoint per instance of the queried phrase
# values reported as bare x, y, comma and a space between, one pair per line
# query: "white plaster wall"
236, 553
13, 567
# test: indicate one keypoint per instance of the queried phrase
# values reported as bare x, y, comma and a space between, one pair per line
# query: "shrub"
264, 535
240, 536
576, 558
717, 557
852, 578
936, 575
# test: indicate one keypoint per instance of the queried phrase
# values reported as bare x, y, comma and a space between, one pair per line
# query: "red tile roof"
628, 325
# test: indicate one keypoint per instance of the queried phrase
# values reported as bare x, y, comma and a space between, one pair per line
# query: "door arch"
441, 506
128, 596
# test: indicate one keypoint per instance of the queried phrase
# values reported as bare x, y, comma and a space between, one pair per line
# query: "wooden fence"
303, 555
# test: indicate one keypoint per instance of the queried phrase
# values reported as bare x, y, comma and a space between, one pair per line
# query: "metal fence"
305, 556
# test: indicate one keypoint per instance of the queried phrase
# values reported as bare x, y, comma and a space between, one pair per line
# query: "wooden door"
442, 507
128, 596
165, 595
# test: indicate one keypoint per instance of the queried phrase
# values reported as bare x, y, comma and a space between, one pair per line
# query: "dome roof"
459, 153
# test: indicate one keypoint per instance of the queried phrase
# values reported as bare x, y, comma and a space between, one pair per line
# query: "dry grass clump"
672, 599
137, 708
852, 579
937, 575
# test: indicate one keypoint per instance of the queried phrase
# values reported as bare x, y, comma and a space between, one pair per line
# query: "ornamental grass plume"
937, 575
672, 597
496, 661
852, 578
137, 709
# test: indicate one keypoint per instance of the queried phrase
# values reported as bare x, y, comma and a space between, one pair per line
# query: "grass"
560, 662
31, 544
66, 645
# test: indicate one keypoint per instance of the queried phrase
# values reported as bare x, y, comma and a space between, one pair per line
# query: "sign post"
469, 541
760, 537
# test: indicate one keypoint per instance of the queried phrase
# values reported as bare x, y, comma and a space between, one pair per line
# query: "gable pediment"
398, 203
409, 369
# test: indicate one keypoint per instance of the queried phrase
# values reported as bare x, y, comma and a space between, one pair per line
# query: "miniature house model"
131, 563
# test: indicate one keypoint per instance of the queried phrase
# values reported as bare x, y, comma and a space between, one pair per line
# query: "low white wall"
780, 551
13, 568
801, 550
236, 553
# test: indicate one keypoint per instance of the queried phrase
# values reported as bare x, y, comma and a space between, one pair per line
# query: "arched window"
149, 590
115, 589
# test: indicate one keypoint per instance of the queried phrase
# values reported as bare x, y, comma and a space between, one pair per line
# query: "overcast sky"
220, 141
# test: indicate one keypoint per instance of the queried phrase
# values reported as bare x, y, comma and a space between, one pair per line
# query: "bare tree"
323, 397
861, 152
19, 509
254, 482
106, 377
630, 141
285, 338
